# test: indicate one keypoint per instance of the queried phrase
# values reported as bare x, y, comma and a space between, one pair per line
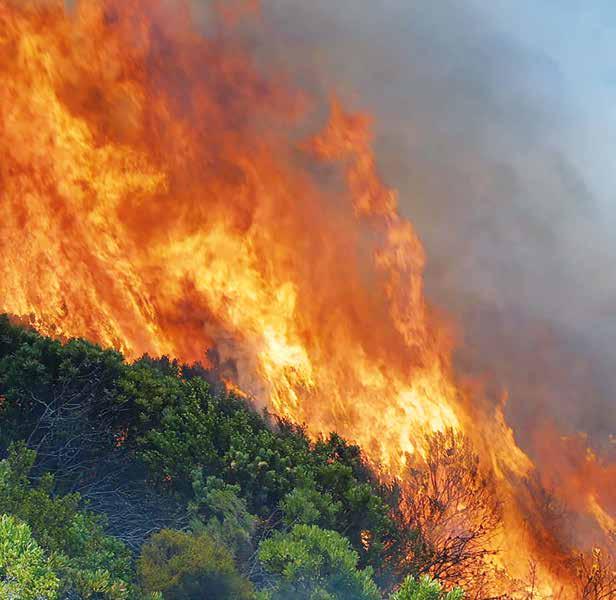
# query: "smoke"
474, 128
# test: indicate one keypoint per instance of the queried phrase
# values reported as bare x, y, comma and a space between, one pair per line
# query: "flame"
159, 195
607, 522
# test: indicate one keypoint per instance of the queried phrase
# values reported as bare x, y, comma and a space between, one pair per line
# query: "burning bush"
448, 507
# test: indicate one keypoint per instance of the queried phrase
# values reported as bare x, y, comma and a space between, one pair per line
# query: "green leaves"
183, 566
182, 425
25, 571
219, 511
425, 589
82, 557
307, 506
309, 563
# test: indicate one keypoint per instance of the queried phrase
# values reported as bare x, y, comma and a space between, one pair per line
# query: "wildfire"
157, 196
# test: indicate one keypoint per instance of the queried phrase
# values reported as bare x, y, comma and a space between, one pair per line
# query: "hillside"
133, 480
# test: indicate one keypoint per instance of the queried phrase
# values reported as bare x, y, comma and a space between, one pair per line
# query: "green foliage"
425, 589
159, 430
25, 571
183, 566
314, 564
171, 422
221, 435
307, 506
36, 372
84, 558
219, 511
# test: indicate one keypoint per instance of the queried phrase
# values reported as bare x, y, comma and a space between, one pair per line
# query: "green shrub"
184, 566
25, 571
84, 558
425, 589
309, 563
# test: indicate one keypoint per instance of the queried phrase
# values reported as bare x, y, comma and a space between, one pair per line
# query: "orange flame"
156, 196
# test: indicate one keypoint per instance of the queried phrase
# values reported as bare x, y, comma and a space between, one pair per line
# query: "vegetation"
310, 563
450, 509
25, 571
149, 481
184, 566
82, 557
425, 589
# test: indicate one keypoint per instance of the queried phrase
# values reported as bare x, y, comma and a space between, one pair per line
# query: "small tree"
86, 560
310, 563
449, 510
219, 510
425, 589
596, 576
25, 571
183, 566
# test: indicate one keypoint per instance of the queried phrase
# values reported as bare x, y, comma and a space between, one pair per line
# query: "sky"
579, 38
496, 121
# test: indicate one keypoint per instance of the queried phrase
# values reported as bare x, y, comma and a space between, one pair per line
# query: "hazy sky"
579, 38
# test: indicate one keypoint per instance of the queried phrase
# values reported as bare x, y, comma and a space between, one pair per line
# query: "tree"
25, 571
188, 426
184, 566
309, 563
53, 394
305, 505
219, 511
596, 576
128, 438
425, 589
85, 559
65, 401
448, 513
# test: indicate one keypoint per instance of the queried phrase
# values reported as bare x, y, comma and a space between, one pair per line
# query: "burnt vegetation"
450, 505
148, 480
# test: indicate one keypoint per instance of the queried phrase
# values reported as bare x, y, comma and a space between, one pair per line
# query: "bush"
183, 566
85, 559
425, 589
309, 563
25, 571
